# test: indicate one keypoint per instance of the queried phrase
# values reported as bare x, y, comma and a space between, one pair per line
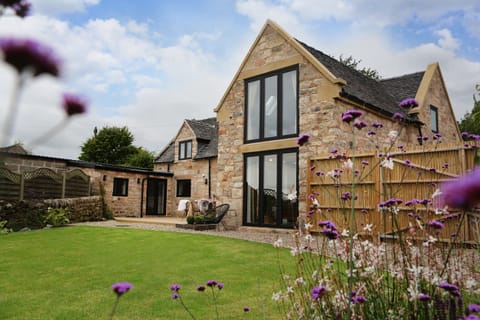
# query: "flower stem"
12, 111
351, 231
114, 307
49, 133
186, 309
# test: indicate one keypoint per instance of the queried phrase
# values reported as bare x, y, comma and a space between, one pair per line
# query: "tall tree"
111, 145
141, 159
353, 63
471, 120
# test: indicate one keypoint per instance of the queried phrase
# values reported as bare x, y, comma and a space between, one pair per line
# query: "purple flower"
334, 150
359, 124
464, 192
303, 139
472, 317
365, 163
350, 115
398, 117
377, 125
318, 292
435, 224
175, 287
220, 286
201, 288
246, 309
424, 297
27, 54
121, 287
212, 283
473, 307
330, 233
175, 296
346, 196
364, 211
327, 224
319, 173
453, 289
358, 299
409, 103
73, 104
22, 8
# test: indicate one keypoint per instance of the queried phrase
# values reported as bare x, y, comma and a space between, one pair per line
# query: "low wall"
30, 213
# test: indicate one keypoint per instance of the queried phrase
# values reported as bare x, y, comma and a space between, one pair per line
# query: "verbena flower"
359, 124
303, 139
175, 296
358, 299
435, 224
21, 7
398, 117
318, 292
351, 115
464, 192
121, 287
424, 297
73, 104
212, 283
27, 54
328, 224
377, 125
175, 287
201, 288
409, 103
473, 307
451, 288
246, 309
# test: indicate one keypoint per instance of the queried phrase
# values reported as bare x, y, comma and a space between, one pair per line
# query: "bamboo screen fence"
416, 174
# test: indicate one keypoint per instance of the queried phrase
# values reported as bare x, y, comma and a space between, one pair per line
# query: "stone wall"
30, 214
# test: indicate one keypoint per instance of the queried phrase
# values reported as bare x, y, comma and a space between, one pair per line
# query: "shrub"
190, 219
56, 217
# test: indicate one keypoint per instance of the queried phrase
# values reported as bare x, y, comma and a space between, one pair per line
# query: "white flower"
368, 227
289, 290
348, 165
292, 196
308, 238
308, 226
441, 211
330, 173
299, 281
278, 243
392, 135
430, 240
345, 233
436, 193
315, 203
387, 163
277, 296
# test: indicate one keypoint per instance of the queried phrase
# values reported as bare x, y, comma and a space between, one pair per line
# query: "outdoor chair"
220, 212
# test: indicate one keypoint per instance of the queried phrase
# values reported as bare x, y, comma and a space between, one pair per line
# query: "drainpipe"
420, 139
141, 196
209, 179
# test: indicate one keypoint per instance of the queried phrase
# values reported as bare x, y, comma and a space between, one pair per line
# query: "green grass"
66, 273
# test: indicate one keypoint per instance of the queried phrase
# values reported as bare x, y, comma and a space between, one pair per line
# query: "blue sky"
151, 64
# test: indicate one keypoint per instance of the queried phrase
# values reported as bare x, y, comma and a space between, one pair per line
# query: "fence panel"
416, 174
77, 184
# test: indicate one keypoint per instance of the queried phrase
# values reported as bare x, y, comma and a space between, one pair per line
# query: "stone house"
191, 157
128, 191
285, 87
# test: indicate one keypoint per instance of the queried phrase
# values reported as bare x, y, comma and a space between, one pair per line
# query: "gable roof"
382, 96
206, 133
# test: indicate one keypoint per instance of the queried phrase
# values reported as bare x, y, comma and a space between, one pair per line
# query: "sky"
150, 64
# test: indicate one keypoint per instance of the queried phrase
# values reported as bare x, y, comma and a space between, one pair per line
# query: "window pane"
253, 111
182, 151
270, 189
188, 152
289, 188
120, 187
183, 188
434, 119
289, 87
252, 184
271, 107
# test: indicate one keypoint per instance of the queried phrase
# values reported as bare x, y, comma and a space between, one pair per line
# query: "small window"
184, 188
120, 187
185, 150
434, 119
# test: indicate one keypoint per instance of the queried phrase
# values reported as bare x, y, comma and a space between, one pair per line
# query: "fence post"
64, 184
22, 187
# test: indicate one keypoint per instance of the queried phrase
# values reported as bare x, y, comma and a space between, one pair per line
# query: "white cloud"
447, 41
54, 7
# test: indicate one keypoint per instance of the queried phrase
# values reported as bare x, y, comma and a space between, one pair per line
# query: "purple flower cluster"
350, 115
435, 224
451, 288
409, 103
390, 202
214, 283
318, 292
27, 54
20, 7
329, 229
73, 104
463, 193
121, 287
303, 139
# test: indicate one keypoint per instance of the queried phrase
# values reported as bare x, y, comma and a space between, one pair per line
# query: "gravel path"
263, 237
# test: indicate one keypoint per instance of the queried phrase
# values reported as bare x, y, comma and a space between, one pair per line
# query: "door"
156, 196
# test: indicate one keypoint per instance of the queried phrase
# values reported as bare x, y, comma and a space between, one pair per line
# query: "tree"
141, 159
110, 145
471, 120
353, 63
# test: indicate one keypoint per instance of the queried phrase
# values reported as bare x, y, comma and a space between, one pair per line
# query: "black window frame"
182, 145
280, 107
262, 154
118, 189
186, 194
432, 124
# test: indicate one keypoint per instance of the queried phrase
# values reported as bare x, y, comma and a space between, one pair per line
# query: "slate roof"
403, 86
206, 132
381, 96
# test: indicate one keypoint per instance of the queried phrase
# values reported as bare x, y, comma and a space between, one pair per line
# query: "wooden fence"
43, 183
416, 174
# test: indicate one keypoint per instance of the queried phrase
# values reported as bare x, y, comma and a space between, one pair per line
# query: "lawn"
66, 273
